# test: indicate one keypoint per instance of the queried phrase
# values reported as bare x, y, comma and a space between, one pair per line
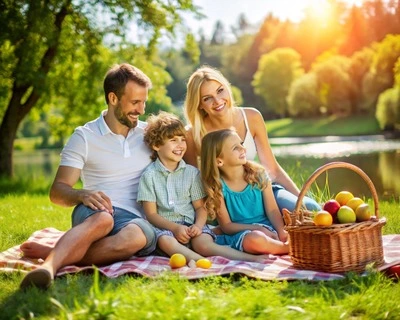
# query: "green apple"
346, 214
363, 212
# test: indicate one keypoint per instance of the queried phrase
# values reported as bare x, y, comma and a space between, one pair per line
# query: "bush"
388, 109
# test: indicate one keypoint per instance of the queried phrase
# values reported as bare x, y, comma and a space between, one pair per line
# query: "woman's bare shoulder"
253, 114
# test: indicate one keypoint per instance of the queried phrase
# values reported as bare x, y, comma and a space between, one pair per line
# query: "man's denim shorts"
121, 219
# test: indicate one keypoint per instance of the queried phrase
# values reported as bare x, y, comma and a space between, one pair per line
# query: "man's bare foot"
40, 278
35, 250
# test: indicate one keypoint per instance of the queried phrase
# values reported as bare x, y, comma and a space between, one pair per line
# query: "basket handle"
326, 167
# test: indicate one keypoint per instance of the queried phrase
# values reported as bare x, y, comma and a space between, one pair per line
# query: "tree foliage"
335, 88
276, 72
303, 97
53, 55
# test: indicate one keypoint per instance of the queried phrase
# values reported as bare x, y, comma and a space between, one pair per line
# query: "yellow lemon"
177, 260
354, 203
343, 197
203, 263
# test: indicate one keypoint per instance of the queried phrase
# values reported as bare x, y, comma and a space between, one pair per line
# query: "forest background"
54, 54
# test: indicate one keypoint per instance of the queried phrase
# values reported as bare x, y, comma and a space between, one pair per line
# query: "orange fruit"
343, 197
323, 218
354, 203
177, 260
203, 263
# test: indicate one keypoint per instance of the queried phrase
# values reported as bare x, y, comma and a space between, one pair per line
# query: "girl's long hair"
194, 115
211, 147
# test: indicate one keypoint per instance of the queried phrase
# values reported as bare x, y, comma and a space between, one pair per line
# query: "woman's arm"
264, 151
191, 153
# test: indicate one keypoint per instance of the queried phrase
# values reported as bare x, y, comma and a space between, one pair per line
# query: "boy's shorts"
121, 219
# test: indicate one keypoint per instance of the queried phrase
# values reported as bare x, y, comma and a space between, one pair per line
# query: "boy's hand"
194, 230
181, 234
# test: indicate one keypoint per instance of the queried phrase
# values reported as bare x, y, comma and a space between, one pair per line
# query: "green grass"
90, 296
336, 126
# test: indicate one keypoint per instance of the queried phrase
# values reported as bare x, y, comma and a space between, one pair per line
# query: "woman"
209, 106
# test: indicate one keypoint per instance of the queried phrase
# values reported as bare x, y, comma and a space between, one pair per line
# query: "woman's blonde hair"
161, 127
211, 148
194, 115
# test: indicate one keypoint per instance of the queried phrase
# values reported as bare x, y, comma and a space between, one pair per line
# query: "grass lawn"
89, 296
327, 126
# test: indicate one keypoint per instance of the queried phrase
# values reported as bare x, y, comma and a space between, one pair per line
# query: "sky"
255, 11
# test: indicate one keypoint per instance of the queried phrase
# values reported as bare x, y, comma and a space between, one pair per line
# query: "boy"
171, 191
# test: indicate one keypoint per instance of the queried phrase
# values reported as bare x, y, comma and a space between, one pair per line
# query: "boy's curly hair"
160, 127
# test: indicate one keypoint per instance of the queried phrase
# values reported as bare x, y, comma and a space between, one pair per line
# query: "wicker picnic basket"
337, 248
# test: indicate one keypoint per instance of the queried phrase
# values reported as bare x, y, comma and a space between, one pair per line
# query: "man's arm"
63, 193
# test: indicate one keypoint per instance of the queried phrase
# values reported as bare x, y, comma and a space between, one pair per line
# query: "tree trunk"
8, 131
16, 110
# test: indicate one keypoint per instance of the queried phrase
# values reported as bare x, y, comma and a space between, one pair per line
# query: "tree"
276, 72
381, 73
32, 35
303, 99
218, 36
335, 87
388, 109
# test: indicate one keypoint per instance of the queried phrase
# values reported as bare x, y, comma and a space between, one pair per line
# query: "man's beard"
123, 119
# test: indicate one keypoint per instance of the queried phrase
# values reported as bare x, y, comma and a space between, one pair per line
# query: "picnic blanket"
273, 268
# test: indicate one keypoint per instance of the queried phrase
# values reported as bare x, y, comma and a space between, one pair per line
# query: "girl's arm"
201, 213
229, 227
264, 151
179, 231
191, 153
273, 213
200, 219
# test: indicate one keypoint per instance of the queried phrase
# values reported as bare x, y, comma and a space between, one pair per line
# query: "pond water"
379, 159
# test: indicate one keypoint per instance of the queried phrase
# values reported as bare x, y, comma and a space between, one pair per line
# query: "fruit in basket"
323, 218
363, 212
354, 203
346, 215
343, 197
332, 206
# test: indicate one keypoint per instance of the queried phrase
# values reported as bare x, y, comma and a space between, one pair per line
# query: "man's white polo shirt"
109, 162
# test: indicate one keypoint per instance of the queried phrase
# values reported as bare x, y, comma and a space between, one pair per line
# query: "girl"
209, 106
240, 196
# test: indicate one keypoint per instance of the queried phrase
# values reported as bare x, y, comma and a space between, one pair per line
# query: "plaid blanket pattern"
273, 268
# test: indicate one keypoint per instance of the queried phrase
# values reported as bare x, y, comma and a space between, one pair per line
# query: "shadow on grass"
25, 185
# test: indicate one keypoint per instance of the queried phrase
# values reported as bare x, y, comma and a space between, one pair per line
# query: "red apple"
332, 206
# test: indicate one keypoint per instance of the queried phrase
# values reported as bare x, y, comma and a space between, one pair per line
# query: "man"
109, 156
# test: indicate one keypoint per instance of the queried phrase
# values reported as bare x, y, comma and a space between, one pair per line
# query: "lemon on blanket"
177, 260
203, 263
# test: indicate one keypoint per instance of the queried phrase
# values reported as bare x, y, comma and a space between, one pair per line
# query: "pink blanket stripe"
274, 268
